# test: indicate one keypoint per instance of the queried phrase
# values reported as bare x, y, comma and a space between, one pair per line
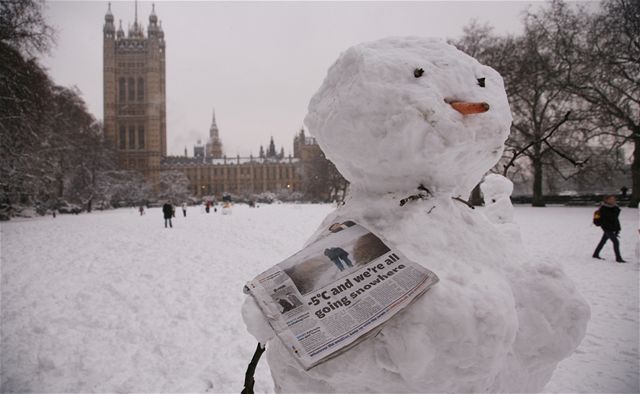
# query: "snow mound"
497, 321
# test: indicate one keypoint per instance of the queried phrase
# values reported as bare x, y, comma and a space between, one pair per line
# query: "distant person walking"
624, 190
610, 224
184, 209
141, 210
167, 210
207, 206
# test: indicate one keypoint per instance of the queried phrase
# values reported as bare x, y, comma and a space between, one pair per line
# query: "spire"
271, 152
213, 120
136, 20
213, 130
120, 33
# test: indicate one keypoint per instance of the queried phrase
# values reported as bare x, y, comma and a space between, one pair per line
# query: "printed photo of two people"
347, 247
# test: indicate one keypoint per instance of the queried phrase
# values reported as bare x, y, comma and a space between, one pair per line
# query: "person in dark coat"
610, 224
339, 257
624, 191
167, 210
286, 305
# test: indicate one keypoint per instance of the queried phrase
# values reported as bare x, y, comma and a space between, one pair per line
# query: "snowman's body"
495, 321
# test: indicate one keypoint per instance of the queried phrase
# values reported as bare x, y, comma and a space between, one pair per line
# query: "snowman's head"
495, 186
400, 112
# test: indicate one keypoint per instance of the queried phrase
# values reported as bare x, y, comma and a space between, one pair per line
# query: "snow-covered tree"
122, 188
173, 186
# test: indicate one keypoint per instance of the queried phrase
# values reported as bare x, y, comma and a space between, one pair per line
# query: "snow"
113, 302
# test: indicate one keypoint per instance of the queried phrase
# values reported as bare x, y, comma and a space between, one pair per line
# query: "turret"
153, 29
120, 32
109, 28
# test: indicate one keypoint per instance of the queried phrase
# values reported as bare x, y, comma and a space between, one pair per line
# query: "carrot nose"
469, 108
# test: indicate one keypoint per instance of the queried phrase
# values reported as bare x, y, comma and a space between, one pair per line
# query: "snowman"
413, 124
496, 191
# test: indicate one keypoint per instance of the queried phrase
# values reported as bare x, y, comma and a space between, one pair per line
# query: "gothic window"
132, 89
140, 89
132, 137
122, 90
123, 137
141, 137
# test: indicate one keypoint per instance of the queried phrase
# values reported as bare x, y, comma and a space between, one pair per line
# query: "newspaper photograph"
337, 291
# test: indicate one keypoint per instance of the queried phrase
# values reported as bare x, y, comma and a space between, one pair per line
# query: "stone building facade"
212, 173
135, 124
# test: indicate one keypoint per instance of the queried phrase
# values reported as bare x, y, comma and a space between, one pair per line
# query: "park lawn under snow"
114, 302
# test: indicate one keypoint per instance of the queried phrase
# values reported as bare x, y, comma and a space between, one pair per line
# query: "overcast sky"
258, 64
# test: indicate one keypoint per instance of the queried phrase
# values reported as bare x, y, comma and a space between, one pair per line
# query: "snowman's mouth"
466, 108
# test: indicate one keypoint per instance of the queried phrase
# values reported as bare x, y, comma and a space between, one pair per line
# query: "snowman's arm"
255, 321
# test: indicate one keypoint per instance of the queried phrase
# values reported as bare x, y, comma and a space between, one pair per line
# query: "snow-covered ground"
114, 302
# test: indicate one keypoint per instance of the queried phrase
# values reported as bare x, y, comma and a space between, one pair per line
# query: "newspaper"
336, 292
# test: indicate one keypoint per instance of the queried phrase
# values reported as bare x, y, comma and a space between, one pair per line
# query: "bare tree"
547, 119
602, 66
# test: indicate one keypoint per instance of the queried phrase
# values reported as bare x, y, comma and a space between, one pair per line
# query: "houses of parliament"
135, 123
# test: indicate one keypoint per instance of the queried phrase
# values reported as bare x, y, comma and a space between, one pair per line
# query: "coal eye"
481, 82
418, 72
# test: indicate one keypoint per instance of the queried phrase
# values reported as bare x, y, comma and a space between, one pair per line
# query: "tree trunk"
60, 191
538, 198
635, 171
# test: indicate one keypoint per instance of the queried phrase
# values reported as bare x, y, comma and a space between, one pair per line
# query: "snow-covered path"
112, 301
